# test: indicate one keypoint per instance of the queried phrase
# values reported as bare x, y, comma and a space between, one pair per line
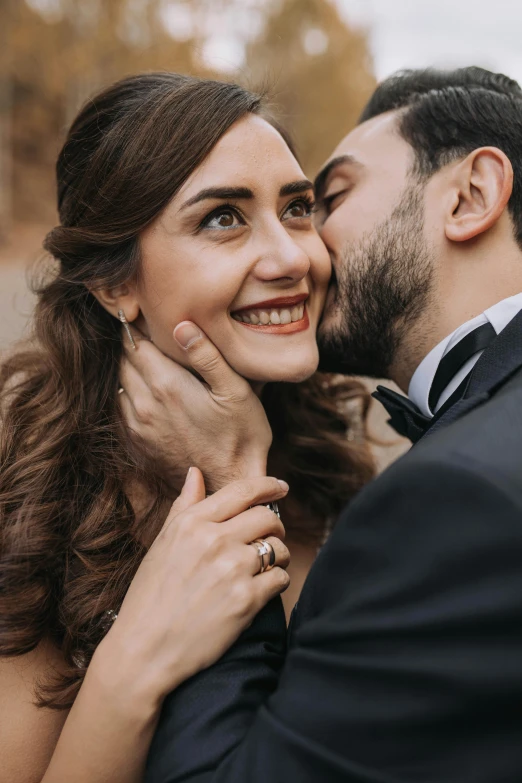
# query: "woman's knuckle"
285, 556
223, 568
211, 540
144, 410
266, 519
234, 564
157, 389
274, 486
282, 578
278, 528
238, 565
276, 521
240, 598
186, 523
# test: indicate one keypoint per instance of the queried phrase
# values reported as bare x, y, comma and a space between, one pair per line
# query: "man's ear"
481, 184
121, 297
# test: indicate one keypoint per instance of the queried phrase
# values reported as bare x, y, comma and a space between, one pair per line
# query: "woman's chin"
283, 371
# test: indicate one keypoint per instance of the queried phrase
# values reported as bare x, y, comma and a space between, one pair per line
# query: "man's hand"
219, 424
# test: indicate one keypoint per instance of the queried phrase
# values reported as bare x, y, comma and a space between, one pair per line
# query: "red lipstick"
281, 301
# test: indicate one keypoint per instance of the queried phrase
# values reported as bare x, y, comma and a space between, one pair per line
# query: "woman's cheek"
320, 264
165, 341
320, 272
325, 265
159, 321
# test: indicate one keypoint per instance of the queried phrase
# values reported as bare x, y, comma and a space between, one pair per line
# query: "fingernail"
188, 475
186, 333
284, 485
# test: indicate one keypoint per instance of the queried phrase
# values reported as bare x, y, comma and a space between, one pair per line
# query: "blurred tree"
319, 71
59, 52
6, 15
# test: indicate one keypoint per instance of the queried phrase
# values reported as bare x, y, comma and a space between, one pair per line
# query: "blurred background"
54, 54
320, 58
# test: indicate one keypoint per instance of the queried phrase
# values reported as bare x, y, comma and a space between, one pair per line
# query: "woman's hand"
218, 424
197, 588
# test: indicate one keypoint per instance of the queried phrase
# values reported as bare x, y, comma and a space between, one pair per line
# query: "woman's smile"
284, 315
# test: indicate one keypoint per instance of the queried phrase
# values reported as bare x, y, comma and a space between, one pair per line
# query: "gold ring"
265, 549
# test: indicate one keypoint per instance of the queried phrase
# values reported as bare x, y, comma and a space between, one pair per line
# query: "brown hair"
69, 538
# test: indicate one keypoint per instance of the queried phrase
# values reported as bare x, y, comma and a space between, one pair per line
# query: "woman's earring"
121, 316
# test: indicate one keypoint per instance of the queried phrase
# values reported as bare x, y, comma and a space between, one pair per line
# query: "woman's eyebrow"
226, 193
223, 193
300, 186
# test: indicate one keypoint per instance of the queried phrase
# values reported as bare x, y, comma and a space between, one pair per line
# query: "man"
404, 660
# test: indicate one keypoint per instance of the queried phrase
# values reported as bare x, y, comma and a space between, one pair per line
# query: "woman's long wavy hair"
69, 538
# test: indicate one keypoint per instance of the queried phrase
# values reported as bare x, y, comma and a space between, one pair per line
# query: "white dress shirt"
498, 316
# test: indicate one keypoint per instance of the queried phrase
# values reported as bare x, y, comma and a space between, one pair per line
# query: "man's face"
371, 218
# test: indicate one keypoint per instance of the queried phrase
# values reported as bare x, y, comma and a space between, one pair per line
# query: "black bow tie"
405, 416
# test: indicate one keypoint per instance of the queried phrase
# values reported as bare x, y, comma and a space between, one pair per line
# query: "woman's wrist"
127, 679
109, 729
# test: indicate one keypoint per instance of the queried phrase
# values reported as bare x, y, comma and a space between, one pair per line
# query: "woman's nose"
284, 258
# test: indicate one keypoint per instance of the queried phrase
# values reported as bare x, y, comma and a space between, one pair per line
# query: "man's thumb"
206, 360
193, 491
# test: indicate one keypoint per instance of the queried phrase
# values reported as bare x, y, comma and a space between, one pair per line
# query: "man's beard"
383, 285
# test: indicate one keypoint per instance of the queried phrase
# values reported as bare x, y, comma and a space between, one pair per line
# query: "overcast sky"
402, 33
419, 33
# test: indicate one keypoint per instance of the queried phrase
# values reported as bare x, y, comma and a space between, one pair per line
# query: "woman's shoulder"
28, 734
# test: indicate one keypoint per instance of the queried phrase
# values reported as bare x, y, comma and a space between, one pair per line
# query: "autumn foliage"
59, 52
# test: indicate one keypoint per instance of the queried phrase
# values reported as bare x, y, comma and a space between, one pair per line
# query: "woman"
178, 200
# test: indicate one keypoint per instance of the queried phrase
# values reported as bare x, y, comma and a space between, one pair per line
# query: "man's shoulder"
467, 469
457, 495
485, 442
482, 448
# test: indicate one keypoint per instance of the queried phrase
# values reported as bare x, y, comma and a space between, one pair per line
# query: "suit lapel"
496, 365
500, 361
461, 408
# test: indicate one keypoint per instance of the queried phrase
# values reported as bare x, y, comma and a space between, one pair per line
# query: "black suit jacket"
404, 658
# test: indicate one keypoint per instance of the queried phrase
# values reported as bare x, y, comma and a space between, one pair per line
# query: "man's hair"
448, 114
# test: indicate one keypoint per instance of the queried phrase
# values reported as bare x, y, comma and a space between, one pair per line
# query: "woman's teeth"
271, 317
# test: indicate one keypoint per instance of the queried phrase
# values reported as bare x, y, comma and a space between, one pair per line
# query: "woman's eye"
223, 219
299, 209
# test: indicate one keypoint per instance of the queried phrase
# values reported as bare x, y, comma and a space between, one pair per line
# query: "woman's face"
236, 252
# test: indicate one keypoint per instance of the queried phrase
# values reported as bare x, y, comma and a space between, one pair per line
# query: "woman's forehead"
251, 154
